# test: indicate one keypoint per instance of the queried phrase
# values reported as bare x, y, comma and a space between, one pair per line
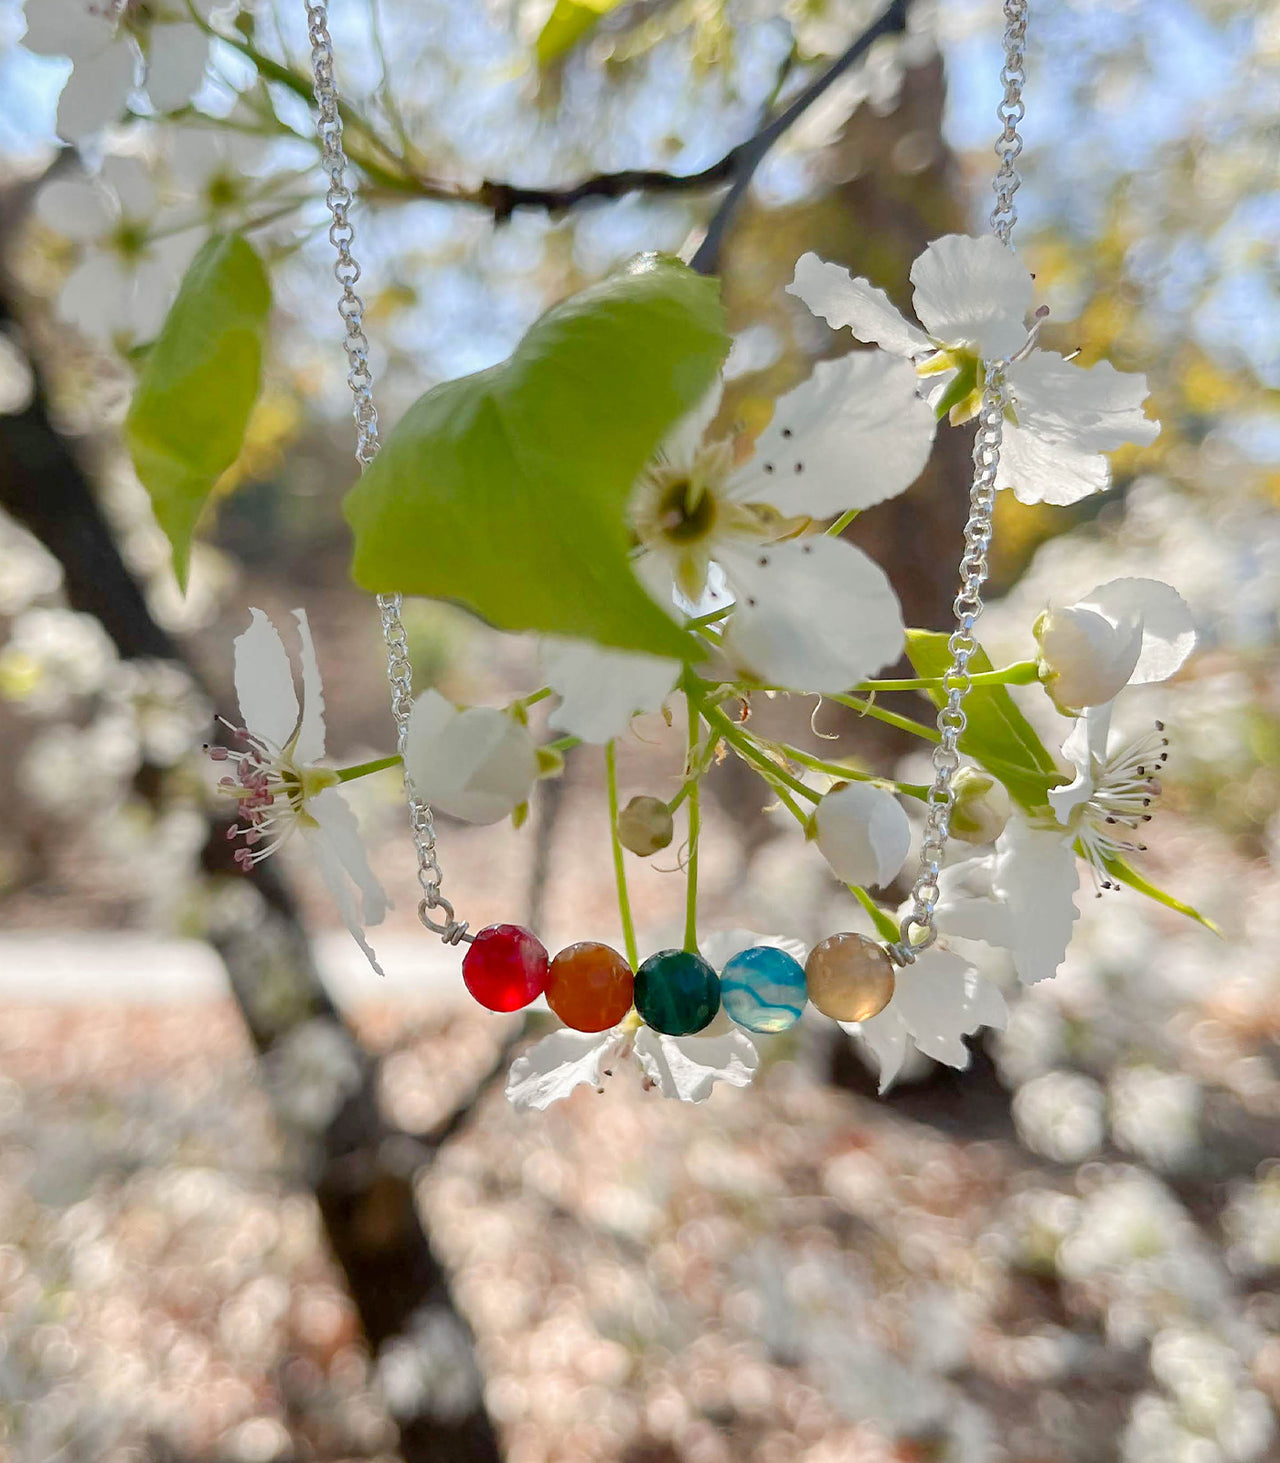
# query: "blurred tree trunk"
362, 1171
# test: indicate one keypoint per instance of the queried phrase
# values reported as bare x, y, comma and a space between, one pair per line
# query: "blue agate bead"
763, 989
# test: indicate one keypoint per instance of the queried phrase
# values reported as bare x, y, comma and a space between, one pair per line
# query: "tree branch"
750, 154
736, 167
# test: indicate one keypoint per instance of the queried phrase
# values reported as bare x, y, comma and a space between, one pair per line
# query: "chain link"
346, 270
918, 930
1011, 111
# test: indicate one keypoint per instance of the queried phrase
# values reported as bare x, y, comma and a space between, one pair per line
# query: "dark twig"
748, 156
735, 167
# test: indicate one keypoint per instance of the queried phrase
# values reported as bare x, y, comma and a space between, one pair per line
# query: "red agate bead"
505, 967
589, 986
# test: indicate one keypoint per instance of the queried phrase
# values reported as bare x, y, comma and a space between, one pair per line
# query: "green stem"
366, 769
841, 523
562, 744
708, 619
849, 774
619, 867
695, 830
890, 718
885, 927
747, 749
1022, 673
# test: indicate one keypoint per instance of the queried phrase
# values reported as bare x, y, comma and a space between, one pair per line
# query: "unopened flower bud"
645, 825
1085, 660
982, 806
862, 833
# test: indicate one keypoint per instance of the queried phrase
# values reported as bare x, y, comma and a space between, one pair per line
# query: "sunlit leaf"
997, 735
1119, 869
569, 22
197, 386
506, 491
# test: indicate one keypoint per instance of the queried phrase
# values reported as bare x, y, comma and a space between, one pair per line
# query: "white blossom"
112, 43
278, 782
810, 612
683, 1067
972, 297
1020, 897
862, 833
937, 1001
1130, 631
128, 274
478, 764
1061, 1115
54, 655
1156, 1114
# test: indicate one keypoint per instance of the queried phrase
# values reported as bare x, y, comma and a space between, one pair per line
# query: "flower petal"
1039, 469
831, 293
1086, 749
942, 999
67, 28
77, 208
813, 615
264, 683
1087, 659
329, 862
130, 180
338, 825
886, 1035
684, 439
862, 833
601, 690
478, 764
1168, 630
1096, 407
1036, 876
855, 433
176, 58
975, 293
96, 91
688, 1067
309, 746
558, 1063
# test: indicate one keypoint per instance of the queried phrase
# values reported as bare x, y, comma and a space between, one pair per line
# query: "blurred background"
256, 1205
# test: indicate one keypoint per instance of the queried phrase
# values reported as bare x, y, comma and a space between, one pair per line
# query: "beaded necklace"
590, 986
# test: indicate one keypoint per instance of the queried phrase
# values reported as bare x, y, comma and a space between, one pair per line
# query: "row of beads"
590, 987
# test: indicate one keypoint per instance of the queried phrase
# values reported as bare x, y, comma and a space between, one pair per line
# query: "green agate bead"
677, 992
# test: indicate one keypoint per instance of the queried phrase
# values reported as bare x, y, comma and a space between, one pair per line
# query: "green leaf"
569, 22
997, 735
507, 490
886, 926
1119, 869
197, 386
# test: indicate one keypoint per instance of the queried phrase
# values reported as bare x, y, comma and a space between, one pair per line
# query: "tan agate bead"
849, 977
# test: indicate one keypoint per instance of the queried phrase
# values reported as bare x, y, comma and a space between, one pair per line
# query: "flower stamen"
1125, 787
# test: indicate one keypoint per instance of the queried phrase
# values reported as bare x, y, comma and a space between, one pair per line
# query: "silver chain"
1011, 111
918, 930
339, 199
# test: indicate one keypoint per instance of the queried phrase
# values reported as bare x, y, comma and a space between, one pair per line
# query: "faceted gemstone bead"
677, 992
849, 977
589, 986
505, 967
763, 989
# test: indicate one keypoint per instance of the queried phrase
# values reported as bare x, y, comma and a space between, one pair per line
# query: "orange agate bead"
589, 986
